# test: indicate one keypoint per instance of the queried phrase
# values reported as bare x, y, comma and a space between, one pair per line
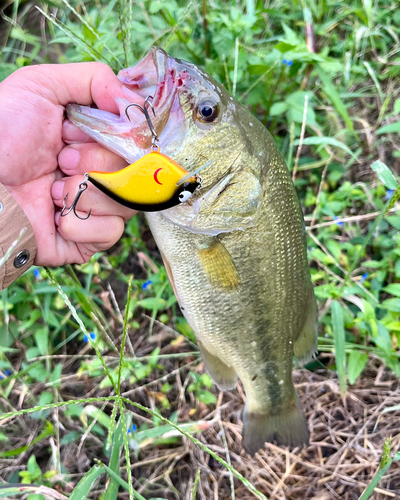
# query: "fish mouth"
155, 76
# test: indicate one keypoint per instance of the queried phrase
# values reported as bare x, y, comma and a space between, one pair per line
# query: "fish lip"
148, 72
154, 76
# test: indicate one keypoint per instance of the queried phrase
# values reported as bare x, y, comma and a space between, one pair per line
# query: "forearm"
17, 240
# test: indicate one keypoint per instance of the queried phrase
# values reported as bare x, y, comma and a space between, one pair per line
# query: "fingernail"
57, 218
68, 159
72, 133
57, 190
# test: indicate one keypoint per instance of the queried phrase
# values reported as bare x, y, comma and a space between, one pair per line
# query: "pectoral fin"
218, 265
224, 376
305, 345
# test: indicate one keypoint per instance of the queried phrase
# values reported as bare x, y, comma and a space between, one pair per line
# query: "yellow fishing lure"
151, 184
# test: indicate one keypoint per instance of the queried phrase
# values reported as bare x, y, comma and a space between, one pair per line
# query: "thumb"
83, 83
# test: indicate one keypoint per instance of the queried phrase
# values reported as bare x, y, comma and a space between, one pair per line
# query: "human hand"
37, 147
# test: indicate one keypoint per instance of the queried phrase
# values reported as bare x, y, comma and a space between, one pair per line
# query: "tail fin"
288, 428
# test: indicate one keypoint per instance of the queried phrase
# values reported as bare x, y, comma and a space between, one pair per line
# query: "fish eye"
184, 196
207, 111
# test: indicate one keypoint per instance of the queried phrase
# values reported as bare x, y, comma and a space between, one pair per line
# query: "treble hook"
145, 111
82, 188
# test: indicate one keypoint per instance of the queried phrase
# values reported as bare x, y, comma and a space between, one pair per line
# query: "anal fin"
305, 345
218, 264
224, 376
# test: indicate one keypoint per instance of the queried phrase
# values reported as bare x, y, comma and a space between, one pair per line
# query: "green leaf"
356, 363
384, 174
339, 342
389, 129
56, 375
284, 47
6, 69
82, 489
383, 340
277, 109
42, 340
152, 303
396, 107
393, 289
393, 221
391, 304
206, 397
33, 467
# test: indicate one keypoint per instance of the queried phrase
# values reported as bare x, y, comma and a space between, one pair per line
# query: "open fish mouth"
156, 76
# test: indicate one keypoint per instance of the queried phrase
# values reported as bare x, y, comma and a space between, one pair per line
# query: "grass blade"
74, 37
92, 30
335, 98
113, 487
22, 489
121, 358
121, 482
386, 462
48, 431
82, 489
322, 141
340, 344
195, 485
54, 405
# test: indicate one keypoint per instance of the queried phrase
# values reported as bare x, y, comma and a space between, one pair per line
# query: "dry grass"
342, 458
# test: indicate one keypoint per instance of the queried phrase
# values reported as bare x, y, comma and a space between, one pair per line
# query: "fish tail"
286, 428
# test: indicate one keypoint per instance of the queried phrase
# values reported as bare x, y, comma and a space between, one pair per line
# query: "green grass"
347, 167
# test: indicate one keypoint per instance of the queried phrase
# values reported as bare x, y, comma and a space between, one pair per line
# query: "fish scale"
235, 252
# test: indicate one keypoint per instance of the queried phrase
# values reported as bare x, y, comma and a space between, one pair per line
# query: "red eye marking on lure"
155, 176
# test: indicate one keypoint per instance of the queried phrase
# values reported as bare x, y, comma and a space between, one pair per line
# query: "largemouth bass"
235, 252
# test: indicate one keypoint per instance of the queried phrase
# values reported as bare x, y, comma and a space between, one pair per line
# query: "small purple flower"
146, 284
36, 273
132, 429
364, 277
389, 194
340, 223
287, 63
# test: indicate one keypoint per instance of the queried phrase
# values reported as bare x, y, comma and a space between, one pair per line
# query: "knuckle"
113, 230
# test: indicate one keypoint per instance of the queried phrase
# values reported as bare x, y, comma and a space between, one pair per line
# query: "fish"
235, 251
